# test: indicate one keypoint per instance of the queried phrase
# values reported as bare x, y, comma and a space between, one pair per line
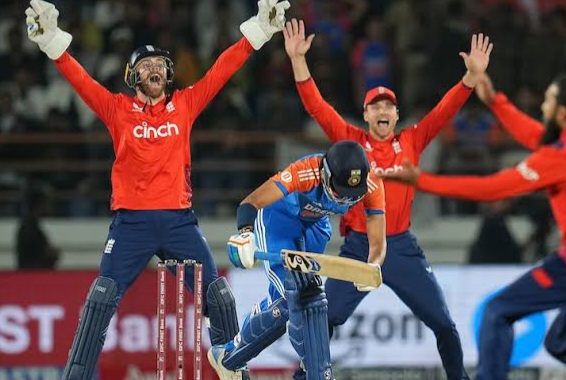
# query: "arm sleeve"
101, 101
440, 115
301, 175
227, 64
535, 173
523, 128
335, 127
374, 201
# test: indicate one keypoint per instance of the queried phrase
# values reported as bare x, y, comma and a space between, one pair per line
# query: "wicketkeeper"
151, 184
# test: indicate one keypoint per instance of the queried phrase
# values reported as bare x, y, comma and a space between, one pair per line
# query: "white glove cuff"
58, 44
254, 33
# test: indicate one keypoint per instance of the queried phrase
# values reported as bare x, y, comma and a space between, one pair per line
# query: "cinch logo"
529, 332
377, 170
145, 131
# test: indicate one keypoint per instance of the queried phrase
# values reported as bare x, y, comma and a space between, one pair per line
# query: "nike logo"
429, 269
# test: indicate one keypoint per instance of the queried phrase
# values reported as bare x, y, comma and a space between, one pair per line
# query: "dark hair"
560, 81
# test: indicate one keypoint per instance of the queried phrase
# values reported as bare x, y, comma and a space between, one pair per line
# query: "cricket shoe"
215, 356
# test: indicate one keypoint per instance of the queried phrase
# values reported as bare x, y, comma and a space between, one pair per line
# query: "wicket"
179, 266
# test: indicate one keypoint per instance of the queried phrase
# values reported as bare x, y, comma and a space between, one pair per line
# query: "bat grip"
273, 257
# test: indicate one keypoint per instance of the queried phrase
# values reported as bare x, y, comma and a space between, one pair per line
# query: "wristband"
245, 217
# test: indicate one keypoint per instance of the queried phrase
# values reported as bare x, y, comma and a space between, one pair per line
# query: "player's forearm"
300, 68
229, 62
377, 253
96, 96
331, 122
523, 128
474, 188
470, 79
431, 125
376, 238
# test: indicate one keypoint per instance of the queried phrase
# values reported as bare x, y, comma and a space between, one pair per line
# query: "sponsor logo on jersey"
170, 107
392, 169
312, 211
146, 131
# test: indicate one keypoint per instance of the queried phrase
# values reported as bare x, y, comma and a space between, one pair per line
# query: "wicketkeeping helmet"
131, 76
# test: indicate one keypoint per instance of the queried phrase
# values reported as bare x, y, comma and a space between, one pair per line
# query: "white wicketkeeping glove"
241, 249
269, 20
41, 19
367, 288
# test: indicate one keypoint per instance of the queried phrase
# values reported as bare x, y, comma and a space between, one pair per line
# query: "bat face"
301, 263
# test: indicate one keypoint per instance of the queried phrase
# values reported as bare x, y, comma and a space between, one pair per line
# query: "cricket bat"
336, 267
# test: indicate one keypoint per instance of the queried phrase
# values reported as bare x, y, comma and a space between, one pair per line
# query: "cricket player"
406, 270
543, 287
151, 184
291, 211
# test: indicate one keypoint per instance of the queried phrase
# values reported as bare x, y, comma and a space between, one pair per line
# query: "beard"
153, 86
552, 132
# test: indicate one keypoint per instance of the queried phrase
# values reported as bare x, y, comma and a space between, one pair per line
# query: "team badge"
396, 146
355, 177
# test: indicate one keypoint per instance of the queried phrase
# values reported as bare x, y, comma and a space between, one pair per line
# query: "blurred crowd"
411, 46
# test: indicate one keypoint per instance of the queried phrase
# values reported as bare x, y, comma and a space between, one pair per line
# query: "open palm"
477, 59
296, 44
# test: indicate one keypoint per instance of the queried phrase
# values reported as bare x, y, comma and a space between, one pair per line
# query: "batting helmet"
345, 168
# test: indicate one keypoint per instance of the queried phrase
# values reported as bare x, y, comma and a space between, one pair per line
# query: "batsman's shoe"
300, 374
215, 356
245, 373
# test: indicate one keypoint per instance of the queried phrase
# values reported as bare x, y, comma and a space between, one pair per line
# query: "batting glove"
367, 288
269, 20
41, 20
241, 249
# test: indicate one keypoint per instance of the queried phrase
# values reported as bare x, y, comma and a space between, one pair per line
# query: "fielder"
151, 184
543, 287
406, 270
290, 211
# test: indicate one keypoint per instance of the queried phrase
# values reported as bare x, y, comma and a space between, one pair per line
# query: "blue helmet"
345, 169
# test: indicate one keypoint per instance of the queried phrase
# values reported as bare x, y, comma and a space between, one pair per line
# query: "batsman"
151, 183
291, 211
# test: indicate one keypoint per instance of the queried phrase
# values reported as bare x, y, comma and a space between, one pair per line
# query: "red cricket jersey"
151, 142
544, 169
384, 156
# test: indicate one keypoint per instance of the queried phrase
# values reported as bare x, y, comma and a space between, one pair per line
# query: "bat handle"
268, 256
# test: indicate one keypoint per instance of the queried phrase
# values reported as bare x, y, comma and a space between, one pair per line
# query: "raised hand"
478, 58
269, 20
41, 20
296, 45
485, 90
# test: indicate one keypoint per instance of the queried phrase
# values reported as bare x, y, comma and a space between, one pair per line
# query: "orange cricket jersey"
384, 156
304, 197
151, 142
